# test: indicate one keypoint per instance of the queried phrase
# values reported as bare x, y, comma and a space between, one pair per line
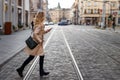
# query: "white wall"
27, 3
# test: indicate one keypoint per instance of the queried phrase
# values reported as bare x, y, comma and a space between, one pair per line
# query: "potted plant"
26, 25
110, 17
14, 28
20, 26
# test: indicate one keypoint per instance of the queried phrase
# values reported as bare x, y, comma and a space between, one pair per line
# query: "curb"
12, 56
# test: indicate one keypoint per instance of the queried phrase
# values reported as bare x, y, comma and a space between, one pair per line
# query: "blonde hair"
39, 18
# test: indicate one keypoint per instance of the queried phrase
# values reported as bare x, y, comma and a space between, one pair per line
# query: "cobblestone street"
96, 53
59, 39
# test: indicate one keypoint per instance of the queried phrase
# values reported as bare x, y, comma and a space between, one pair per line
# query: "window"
12, 1
113, 4
95, 3
89, 3
118, 20
89, 11
96, 11
6, 1
20, 2
85, 11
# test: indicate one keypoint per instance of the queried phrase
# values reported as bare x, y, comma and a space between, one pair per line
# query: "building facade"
14, 12
36, 5
91, 12
119, 12
57, 14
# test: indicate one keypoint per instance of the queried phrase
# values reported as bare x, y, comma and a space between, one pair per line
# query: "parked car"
62, 23
46, 23
51, 23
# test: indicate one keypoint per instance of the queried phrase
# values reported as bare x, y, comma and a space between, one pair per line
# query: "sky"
63, 3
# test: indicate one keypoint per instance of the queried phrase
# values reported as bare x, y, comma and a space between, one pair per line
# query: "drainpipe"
41, 8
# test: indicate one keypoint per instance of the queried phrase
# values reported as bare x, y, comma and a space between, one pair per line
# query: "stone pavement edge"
11, 44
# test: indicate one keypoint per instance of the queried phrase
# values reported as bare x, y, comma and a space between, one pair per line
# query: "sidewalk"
117, 29
11, 44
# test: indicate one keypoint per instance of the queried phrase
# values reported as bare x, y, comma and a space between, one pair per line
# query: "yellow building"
57, 14
35, 5
91, 11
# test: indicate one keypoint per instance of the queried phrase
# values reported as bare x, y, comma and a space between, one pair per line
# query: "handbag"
31, 43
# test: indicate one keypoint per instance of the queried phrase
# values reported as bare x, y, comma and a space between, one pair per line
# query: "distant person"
38, 36
113, 24
32, 23
110, 21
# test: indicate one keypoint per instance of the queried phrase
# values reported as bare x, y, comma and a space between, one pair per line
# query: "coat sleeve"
46, 31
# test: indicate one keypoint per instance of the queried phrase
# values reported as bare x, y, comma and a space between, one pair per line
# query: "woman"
38, 36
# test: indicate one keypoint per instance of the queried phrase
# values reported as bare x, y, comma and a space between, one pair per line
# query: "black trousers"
27, 61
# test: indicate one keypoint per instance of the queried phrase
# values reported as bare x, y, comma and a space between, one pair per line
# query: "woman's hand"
48, 30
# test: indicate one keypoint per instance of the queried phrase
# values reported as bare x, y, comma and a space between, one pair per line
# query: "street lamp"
103, 13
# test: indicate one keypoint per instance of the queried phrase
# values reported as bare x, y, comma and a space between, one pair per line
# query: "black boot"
41, 62
20, 70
